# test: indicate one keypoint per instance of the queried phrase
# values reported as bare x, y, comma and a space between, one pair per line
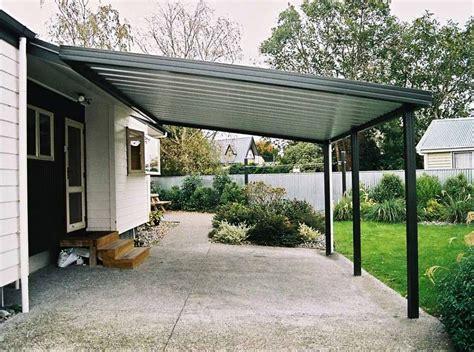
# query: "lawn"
384, 248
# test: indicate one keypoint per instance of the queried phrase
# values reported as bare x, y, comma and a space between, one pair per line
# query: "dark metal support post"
355, 155
328, 195
411, 216
343, 171
246, 171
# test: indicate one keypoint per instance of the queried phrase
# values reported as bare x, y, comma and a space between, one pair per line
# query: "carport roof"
242, 99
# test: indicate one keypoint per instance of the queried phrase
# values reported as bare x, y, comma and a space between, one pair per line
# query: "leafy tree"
192, 34
438, 58
343, 39
301, 153
266, 149
188, 151
76, 24
361, 40
433, 57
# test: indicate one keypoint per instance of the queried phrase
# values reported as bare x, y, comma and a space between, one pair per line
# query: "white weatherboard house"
448, 144
75, 159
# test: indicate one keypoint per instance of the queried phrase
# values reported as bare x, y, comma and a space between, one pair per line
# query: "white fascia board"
445, 150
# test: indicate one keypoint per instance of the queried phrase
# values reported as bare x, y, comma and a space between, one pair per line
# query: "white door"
75, 178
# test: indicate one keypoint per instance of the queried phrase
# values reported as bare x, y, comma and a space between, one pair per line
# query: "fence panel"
309, 186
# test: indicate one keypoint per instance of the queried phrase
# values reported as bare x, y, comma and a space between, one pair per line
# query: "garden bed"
266, 218
154, 230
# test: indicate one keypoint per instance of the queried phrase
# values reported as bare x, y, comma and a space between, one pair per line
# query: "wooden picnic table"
156, 203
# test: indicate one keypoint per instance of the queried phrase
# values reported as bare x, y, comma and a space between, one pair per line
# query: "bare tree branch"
177, 31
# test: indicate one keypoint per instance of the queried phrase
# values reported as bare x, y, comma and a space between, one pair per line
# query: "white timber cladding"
9, 165
439, 160
99, 174
116, 200
132, 191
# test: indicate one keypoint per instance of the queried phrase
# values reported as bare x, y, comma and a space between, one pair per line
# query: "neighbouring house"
75, 158
236, 150
448, 144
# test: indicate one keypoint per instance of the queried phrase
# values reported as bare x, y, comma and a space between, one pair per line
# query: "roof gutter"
11, 30
166, 132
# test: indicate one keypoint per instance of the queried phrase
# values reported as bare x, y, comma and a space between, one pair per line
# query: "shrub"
458, 187
392, 210
204, 199
456, 303
271, 169
389, 188
343, 209
233, 193
274, 230
219, 182
432, 211
366, 208
154, 218
299, 211
230, 234
155, 188
456, 208
427, 188
308, 234
258, 193
189, 186
234, 214
175, 196
279, 223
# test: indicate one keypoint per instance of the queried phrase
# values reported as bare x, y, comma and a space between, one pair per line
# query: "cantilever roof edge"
416, 97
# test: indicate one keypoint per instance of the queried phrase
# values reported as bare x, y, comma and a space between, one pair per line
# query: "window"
40, 134
135, 151
152, 155
463, 160
250, 155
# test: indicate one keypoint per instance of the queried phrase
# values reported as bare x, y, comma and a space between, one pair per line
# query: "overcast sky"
256, 17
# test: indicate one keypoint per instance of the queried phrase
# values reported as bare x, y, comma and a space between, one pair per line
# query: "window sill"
42, 158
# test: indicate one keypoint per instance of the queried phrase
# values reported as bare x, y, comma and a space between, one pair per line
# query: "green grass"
384, 248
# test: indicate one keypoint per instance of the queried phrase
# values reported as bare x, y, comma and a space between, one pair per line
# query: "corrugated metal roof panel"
448, 134
242, 99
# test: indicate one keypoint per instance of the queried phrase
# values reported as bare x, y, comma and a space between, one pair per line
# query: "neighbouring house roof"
448, 134
239, 147
232, 98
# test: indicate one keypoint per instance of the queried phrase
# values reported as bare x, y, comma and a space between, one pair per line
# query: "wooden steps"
117, 253
108, 247
115, 249
130, 259
106, 239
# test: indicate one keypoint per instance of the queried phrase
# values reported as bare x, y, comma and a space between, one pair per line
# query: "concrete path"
193, 295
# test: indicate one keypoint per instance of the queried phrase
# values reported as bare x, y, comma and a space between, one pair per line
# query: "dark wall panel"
46, 179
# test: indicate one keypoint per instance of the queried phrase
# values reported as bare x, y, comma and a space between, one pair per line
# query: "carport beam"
328, 196
411, 216
355, 156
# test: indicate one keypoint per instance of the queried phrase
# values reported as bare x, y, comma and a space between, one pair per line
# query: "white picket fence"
310, 186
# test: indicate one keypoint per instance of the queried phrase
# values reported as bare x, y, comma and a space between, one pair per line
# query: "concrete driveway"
193, 295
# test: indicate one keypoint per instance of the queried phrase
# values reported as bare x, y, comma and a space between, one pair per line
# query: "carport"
268, 103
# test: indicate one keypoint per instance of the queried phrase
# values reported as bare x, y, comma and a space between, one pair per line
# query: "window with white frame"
152, 155
463, 160
40, 134
135, 151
